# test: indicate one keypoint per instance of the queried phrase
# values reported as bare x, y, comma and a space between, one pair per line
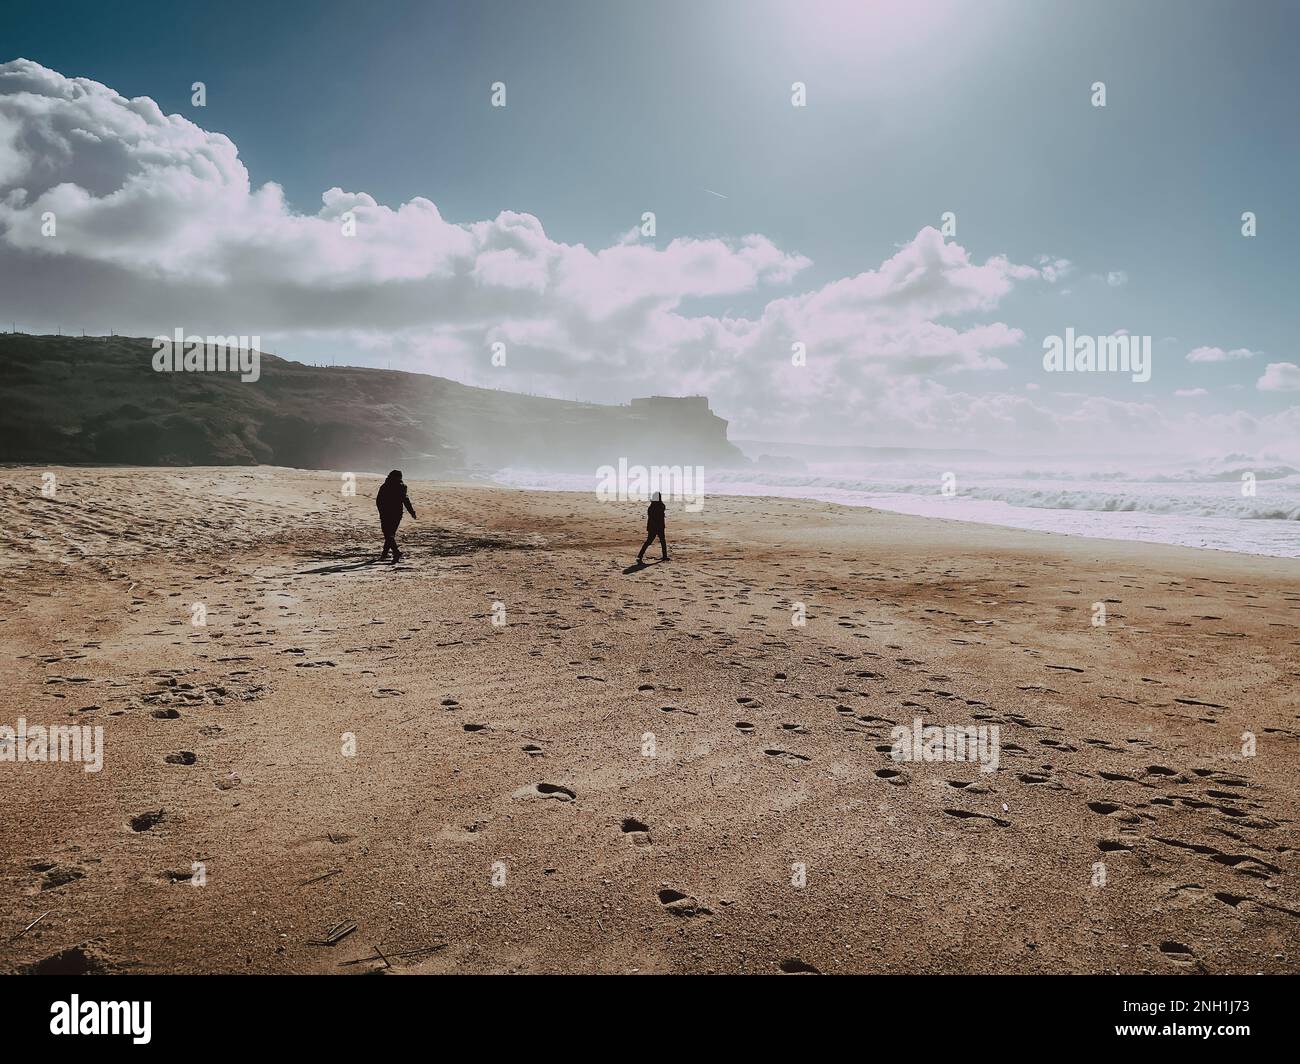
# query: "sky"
775, 225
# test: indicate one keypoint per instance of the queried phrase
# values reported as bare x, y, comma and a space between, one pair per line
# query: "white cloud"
1218, 354
157, 197
159, 225
1117, 278
1054, 269
1280, 377
1190, 393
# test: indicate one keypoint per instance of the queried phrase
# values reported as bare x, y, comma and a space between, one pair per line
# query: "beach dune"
513, 753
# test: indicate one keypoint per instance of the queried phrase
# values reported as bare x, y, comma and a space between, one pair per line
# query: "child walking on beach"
654, 526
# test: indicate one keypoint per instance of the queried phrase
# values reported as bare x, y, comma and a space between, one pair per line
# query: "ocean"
1231, 504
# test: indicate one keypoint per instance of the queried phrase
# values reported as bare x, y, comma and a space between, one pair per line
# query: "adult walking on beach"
389, 500
654, 527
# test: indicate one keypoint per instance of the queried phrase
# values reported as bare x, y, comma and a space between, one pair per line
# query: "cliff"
99, 400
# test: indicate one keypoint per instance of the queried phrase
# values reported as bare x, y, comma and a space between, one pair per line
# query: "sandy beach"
509, 754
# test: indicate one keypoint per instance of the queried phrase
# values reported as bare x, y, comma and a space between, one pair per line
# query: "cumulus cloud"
158, 222
159, 225
1280, 377
157, 197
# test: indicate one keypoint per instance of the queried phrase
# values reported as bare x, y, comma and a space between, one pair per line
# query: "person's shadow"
341, 568
636, 567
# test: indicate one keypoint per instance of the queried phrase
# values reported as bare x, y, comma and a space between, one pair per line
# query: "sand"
571, 790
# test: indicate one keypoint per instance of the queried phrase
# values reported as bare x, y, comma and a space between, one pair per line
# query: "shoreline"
1025, 514
487, 479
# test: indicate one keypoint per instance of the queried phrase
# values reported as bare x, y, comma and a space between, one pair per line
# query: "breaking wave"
1232, 504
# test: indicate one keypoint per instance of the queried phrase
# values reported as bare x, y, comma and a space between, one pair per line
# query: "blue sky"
913, 109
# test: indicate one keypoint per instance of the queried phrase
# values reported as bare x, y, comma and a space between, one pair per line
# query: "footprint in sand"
966, 814
146, 821
547, 790
59, 876
1176, 951
637, 831
76, 960
680, 904
786, 755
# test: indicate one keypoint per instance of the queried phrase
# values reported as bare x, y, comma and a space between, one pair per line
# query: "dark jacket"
655, 517
390, 499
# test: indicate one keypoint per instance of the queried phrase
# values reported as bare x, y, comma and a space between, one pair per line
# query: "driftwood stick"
323, 875
335, 934
404, 953
31, 925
